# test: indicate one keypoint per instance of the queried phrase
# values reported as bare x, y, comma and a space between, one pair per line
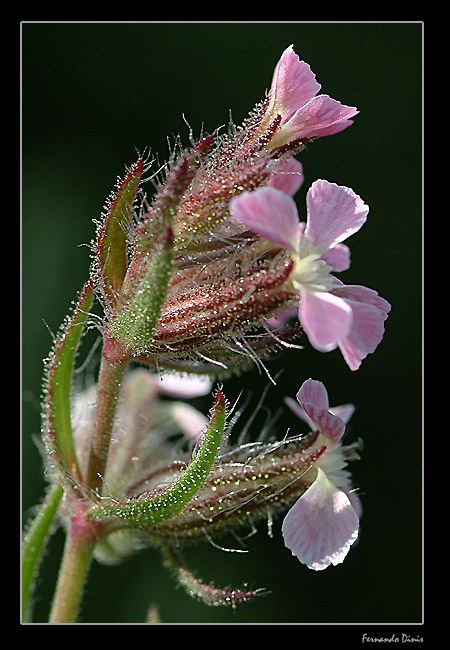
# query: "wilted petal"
269, 213
321, 526
325, 318
334, 213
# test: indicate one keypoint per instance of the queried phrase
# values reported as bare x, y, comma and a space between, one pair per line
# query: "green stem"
80, 542
34, 542
75, 566
111, 373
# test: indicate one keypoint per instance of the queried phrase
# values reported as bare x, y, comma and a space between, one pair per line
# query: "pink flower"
322, 525
331, 314
304, 114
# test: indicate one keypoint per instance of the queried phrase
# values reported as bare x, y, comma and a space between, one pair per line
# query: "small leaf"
111, 245
34, 541
57, 426
147, 511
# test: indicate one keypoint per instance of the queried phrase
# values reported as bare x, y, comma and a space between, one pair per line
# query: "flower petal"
183, 387
338, 258
356, 292
300, 412
293, 84
322, 115
334, 213
313, 392
313, 399
369, 313
335, 128
321, 526
269, 213
191, 422
326, 318
288, 178
344, 412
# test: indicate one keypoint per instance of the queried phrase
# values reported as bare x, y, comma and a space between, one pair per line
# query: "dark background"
93, 94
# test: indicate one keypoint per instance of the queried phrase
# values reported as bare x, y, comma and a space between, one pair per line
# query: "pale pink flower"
289, 177
331, 314
304, 114
322, 525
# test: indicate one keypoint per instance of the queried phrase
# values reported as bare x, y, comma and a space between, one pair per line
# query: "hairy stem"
80, 541
111, 373
74, 569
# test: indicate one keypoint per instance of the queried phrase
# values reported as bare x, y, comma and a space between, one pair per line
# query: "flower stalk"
110, 378
81, 538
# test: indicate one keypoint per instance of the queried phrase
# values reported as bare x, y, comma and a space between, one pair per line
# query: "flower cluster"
248, 483
203, 280
201, 242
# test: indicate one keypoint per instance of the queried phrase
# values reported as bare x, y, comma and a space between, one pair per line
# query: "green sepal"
112, 237
57, 426
207, 593
146, 511
135, 323
165, 204
34, 542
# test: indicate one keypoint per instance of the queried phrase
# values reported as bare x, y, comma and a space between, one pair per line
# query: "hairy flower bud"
249, 483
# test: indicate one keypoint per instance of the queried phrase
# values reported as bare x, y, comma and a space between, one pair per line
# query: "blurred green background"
93, 95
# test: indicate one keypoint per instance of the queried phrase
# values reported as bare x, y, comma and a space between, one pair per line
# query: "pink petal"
322, 115
293, 84
365, 336
326, 318
288, 178
269, 213
321, 526
334, 213
354, 499
313, 398
369, 313
359, 293
300, 412
334, 128
338, 258
343, 412
313, 392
